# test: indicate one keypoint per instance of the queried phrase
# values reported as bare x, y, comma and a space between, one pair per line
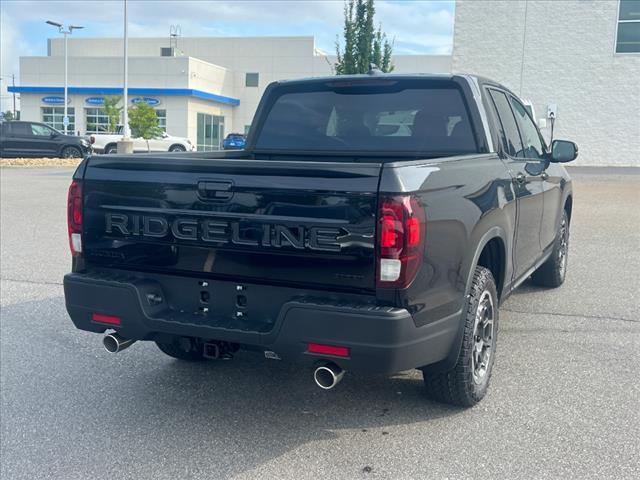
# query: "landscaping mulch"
40, 162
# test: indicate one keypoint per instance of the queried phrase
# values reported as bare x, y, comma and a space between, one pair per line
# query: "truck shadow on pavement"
213, 419
271, 408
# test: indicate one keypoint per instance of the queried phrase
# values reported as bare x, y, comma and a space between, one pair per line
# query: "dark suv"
31, 139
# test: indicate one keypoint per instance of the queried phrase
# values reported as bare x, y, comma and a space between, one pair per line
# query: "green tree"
144, 122
363, 44
8, 115
113, 111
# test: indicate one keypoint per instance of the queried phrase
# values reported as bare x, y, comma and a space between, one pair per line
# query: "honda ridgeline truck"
374, 223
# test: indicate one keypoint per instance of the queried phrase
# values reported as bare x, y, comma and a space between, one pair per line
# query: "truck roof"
376, 74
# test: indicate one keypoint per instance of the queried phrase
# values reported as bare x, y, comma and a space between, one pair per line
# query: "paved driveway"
564, 400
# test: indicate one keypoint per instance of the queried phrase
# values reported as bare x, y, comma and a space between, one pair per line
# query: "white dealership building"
577, 58
202, 90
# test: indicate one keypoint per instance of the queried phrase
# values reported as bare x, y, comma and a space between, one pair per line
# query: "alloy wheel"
71, 152
564, 247
482, 338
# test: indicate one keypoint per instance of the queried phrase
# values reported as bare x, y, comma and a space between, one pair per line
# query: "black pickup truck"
373, 223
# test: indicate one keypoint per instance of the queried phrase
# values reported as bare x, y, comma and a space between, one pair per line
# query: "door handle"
520, 178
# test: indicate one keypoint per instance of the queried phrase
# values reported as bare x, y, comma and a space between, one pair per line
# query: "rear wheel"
467, 382
111, 148
71, 152
553, 272
183, 348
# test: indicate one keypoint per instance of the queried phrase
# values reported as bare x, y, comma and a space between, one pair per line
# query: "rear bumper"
380, 339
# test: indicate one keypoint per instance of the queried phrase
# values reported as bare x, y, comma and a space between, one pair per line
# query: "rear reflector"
328, 350
108, 319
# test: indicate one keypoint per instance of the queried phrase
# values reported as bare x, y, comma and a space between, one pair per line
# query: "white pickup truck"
107, 143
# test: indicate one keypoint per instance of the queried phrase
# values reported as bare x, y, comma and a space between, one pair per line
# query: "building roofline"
82, 58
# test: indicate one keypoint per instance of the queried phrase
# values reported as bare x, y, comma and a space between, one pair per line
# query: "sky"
416, 26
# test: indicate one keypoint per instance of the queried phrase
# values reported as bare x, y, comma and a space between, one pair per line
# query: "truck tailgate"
296, 223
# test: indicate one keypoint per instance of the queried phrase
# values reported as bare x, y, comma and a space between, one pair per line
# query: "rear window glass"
393, 117
20, 128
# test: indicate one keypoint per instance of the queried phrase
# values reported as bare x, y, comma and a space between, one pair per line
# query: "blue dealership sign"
95, 101
148, 100
53, 100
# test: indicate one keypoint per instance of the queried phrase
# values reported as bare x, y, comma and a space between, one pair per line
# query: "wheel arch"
568, 205
490, 252
173, 145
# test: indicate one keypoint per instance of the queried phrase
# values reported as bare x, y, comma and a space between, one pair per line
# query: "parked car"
108, 142
33, 139
328, 241
234, 141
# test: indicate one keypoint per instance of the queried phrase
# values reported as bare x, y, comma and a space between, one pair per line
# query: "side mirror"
563, 151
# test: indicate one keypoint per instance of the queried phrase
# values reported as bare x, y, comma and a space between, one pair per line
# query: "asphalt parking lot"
564, 400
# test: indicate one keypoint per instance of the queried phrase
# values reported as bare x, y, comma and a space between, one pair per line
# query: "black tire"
177, 148
111, 148
467, 382
71, 152
552, 273
183, 348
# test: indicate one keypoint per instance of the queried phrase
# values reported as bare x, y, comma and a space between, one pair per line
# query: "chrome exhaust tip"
114, 343
328, 375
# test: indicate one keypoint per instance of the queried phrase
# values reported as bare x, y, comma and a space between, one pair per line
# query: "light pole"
125, 127
68, 31
125, 145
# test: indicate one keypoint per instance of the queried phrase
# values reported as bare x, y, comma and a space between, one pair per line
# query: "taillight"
74, 218
401, 239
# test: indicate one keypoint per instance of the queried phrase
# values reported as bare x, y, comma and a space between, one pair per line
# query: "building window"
251, 79
210, 132
628, 35
162, 119
97, 120
54, 116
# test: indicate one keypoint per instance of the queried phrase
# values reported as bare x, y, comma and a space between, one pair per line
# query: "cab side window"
510, 138
533, 146
40, 130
